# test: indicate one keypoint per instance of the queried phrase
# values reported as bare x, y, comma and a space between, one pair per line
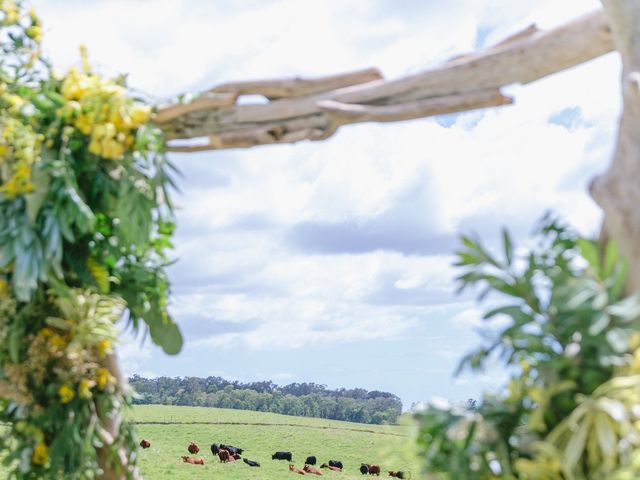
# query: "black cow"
251, 463
364, 468
282, 456
231, 449
215, 448
336, 463
310, 460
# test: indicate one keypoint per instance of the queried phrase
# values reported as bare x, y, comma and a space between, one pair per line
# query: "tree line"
298, 399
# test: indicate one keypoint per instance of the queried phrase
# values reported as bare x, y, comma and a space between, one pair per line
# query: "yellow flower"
103, 347
84, 55
34, 32
140, 114
57, 341
10, 10
103, 378
66, 394
84, 389
4, 288
40, 454
46, 332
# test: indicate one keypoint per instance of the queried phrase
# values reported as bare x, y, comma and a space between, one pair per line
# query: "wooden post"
617, 190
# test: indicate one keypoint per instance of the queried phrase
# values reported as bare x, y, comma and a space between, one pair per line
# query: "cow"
251, 463
223, 455
282, 456
310, 460
374, 470
336, 463
399, 474
370, 469
232, 450
192, 460
145, 443
293, 468
236, 456
310, 469
331, 467
193, 448
215, 448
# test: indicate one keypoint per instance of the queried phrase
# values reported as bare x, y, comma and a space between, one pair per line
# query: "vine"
85, 226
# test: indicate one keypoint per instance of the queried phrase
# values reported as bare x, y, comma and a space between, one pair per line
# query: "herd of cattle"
229, 453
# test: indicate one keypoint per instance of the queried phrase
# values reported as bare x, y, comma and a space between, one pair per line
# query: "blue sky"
331, 262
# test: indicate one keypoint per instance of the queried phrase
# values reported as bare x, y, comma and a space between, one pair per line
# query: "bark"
111, 423
312, 109
617, 190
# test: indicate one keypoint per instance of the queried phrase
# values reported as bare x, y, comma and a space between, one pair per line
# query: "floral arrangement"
85, 224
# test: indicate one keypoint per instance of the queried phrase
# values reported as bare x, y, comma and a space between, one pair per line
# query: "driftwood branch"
354, 113
298, 87
312, 109
617, 190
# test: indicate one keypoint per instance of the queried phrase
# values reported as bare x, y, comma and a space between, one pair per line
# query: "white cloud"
238, 272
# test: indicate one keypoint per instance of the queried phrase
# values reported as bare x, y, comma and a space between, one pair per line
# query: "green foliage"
570, 340
298, 399
85, 226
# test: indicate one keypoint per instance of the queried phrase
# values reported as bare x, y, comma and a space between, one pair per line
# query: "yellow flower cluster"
19, 150
10, 12
100, 108
40, 454
66, 393
84, 389
4, 288
103, 378
103, 347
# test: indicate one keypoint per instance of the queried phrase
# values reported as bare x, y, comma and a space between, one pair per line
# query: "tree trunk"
617, 190
119, 470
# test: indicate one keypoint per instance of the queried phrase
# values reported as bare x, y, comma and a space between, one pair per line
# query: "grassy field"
170, 429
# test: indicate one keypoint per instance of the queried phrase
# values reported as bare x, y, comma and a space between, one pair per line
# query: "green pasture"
170, 429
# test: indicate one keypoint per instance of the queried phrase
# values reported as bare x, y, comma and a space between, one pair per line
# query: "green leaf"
601, 321
618, 339
589, 250
35, 199
610, 258
508, 246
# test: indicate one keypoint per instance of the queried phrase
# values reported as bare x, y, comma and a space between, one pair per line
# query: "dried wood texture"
617, 191
312, 109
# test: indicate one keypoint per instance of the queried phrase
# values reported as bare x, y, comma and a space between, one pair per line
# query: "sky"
330, 262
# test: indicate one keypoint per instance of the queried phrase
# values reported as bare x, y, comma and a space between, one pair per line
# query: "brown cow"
145, 443
223, 455
374, 470
399, 474
293, 468
309, 469
192, 460
236, 456
193, 448
331, 467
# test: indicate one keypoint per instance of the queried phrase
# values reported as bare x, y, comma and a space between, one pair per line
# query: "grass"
170, 429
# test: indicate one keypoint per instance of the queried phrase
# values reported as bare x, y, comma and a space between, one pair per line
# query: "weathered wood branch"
203, 102
345, 113
298, 87
312, 109
617, 190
